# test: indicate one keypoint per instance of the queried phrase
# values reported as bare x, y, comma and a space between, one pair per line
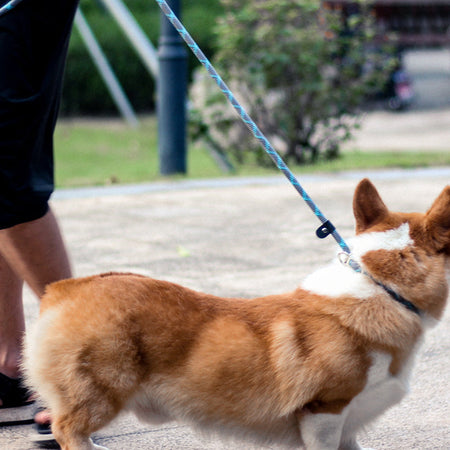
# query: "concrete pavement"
244, 237
425, 130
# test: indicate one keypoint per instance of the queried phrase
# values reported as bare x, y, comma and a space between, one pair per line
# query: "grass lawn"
100, 152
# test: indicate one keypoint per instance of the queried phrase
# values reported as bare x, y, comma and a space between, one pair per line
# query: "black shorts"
34, 37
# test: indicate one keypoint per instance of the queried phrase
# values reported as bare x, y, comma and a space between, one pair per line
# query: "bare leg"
34, 252
12, 322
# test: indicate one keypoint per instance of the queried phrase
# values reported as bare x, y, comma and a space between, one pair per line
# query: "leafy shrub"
302, 71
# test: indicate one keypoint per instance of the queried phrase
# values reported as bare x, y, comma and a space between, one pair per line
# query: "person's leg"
34, 39
12, 323
36, 252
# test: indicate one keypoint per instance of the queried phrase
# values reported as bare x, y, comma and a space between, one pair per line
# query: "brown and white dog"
306, 369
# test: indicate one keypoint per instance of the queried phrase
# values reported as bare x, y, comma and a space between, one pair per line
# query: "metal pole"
141, 43
172, 84
99, 59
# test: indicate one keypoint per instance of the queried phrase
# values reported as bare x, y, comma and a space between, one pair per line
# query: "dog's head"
409, 252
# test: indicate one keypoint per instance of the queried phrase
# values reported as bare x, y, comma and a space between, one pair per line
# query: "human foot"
42, 432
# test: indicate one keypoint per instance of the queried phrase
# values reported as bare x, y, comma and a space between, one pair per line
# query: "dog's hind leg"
73, 426
70, 439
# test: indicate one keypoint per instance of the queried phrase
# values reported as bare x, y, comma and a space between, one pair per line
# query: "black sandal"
16, 400
42, 433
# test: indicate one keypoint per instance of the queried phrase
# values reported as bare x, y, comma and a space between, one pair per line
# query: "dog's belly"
162, 401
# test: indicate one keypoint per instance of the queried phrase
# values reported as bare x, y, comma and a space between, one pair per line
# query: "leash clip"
344, 258
347, 260
325, 229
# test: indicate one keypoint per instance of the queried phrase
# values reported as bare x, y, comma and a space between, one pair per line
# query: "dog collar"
347, 260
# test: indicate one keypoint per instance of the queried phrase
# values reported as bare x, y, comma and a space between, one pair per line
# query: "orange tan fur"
300, 369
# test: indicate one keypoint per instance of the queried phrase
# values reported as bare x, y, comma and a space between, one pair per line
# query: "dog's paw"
99, 447
353, 445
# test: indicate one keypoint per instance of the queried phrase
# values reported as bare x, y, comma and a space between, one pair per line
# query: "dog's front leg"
321, 431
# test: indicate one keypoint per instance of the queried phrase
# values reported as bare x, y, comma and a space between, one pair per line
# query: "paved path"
244, 238
424, 130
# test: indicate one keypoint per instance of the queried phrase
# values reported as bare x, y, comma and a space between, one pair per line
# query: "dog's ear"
438, 221
368, 207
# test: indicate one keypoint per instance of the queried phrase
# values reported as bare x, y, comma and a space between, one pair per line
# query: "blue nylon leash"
327, 227
9, 6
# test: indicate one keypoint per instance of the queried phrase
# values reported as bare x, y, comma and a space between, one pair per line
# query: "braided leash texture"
251, 125
9, 6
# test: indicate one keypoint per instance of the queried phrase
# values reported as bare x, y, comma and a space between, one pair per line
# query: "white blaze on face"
336, 279
396, 239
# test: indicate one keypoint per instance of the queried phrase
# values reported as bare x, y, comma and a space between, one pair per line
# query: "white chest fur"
383, 390
335, 279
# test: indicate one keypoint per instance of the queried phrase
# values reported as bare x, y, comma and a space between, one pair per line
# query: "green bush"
84, 91
301, 70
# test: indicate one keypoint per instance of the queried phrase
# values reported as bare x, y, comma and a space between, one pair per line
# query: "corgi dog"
305, 369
